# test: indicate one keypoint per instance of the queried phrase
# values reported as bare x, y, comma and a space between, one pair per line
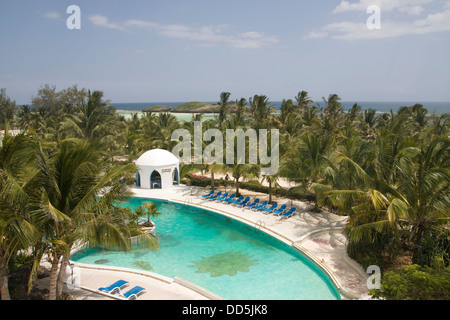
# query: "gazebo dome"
157, 158
157, 169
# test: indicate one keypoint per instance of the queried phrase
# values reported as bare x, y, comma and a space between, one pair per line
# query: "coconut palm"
261, 110
303, 100
239, 171
16, 231
157, 130
94, 118
69, 209
224, 104
238, 119
306, 161
272, 180
287, 108
415, 201
148, 209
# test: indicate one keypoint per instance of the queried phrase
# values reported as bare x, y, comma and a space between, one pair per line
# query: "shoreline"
179, 115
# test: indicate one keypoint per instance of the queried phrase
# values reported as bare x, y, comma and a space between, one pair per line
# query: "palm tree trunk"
61, 274
270, 191
53, 276
417, 244
4, 290
212, 179
237, 187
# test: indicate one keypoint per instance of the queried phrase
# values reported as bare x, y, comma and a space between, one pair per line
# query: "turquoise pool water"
222, 255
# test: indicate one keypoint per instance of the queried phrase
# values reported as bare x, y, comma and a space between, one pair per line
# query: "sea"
380, 107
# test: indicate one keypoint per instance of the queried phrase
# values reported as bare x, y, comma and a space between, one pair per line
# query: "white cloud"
412, 7
102, 21
316, 35
390, 28
208, 36
52, 15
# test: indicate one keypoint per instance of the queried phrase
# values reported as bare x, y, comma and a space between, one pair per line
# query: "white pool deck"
318, 235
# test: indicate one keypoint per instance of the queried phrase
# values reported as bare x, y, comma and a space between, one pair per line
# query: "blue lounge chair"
214, 196
261, 206
244, 202
238, 200
133, 292
254, 203
208, 195
289, 213
229, 199
116, 286
225, 195
280, 211
218, 194
272, 208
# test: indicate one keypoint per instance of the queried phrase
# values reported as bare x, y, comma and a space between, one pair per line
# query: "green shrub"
415, 283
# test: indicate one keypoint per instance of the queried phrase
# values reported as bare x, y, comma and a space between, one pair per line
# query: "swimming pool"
224, 256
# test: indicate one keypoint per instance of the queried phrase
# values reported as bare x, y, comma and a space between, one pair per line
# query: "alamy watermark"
74, 20
374, 280
374, 21
258, 150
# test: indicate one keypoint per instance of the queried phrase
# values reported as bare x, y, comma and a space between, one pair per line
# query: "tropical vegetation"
388, 172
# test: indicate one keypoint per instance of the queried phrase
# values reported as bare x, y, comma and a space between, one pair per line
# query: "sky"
172, 50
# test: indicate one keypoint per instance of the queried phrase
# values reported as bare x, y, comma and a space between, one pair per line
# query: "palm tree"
288, 108
303, 100
69, 208
16, 231
414, 201
94, 118
425, 177
148, 209
307, 161
224, 106
261, 110
238, 118
242, 171
7, 109
157, 130
25, 117
272, 180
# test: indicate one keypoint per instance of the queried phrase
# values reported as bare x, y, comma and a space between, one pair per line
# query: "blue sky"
171, 50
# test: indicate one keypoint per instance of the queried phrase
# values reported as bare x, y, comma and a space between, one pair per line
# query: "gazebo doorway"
155, 180
138, 179
175, 177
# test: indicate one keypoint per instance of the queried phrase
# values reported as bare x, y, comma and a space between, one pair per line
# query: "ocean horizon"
379, 106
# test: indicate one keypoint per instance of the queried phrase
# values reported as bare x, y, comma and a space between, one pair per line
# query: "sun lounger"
218, 194
229, 199
116, 286
244, 202
272, 208
225, 195
238, 200
253, 204
133, 293
289, 213
208, 195
280, 211
261, 206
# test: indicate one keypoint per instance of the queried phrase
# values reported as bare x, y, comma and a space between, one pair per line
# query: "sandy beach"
180, 116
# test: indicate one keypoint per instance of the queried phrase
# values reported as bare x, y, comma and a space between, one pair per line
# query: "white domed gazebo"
157, 169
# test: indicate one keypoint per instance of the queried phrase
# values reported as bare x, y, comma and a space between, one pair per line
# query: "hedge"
293, 193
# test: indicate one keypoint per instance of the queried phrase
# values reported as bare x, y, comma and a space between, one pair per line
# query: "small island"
189, 107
